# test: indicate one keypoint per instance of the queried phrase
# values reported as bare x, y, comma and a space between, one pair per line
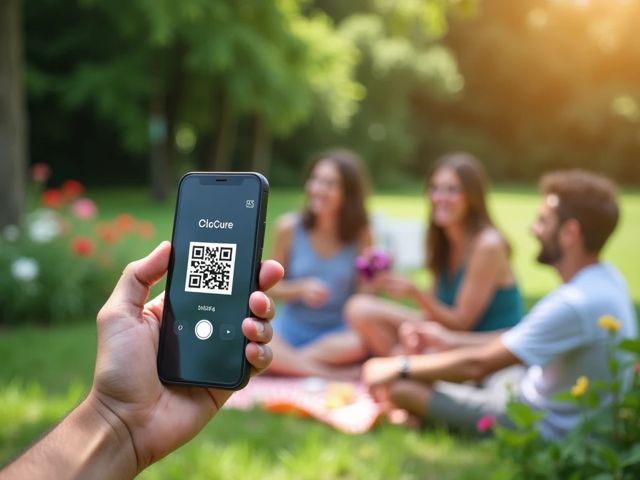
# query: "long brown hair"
474, 182
353, 214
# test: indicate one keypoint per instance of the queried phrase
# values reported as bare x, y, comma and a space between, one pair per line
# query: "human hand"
424, 337
380, 370
397, 286
314, 292
153, 417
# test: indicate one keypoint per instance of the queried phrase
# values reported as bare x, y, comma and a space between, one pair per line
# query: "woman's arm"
484, 273
310, 290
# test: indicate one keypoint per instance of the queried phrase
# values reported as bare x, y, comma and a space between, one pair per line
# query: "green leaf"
631, 345
523, 415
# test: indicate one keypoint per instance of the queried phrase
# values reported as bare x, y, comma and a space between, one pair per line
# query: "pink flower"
40, 172
84, 209
485, 423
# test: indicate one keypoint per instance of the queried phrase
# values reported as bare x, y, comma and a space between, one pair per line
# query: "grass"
44, 372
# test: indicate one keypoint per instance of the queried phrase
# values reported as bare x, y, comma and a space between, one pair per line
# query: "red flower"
72, 189
52, 198
40, 172
485, 423
146, 230
107, 233
125, 222
82, 246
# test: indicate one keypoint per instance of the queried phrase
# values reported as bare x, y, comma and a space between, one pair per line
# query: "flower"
25, 269
125, 222
84, 209
82, 246
72, 189
107, 233
485, 423
373, 262
40, 172
580, 388
609, 323
44, 226
52, 198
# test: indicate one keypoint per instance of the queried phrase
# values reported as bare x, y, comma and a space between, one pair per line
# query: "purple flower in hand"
373, 262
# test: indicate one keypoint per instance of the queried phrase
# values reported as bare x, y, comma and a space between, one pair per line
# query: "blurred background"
104, 104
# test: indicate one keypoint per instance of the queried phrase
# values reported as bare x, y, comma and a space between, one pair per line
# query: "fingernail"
260, 327
261, 351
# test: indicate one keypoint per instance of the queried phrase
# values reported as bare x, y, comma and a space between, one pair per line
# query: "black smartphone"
218, 233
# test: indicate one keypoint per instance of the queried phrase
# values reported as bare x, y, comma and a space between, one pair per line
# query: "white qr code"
210, 267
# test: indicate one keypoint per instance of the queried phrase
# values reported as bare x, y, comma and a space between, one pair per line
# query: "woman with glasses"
318, 248
473, 288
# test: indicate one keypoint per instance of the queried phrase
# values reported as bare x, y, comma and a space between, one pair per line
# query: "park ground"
45, 371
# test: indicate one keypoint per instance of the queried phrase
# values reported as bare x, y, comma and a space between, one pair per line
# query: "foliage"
155, 70
605, 445
61, 263
546, 85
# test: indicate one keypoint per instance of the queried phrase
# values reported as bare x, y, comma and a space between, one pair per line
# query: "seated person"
475, 288
558, 341
318, 249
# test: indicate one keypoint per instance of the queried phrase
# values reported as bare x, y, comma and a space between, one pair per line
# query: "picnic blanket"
345, 406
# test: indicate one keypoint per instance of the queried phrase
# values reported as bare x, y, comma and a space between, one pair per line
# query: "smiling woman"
474, 288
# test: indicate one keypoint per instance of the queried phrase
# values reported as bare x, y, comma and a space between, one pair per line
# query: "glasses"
445, 190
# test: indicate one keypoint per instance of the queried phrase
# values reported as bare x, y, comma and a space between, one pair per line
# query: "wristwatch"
405, 366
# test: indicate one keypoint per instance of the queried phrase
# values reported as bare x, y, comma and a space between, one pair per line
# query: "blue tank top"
295, 321
504, 310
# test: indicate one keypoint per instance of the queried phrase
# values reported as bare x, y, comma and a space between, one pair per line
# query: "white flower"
25, 269
44, 226
11, 233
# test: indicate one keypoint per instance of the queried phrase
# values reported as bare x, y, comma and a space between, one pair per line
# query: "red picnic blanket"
346, 406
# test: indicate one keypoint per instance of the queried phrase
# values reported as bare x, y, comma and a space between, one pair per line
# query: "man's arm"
456, 365
88, 443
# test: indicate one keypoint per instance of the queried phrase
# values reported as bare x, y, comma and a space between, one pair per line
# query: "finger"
261, 305
259, 356
155, 307
257, 330
133, 286
271, 272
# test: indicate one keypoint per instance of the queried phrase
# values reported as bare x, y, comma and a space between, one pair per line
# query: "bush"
606, 443
62, 261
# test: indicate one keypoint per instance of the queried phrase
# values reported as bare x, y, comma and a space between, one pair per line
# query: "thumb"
137, 278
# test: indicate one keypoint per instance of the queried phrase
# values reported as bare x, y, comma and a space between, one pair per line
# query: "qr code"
210, 267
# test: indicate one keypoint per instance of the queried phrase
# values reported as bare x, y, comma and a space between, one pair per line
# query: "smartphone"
217, 239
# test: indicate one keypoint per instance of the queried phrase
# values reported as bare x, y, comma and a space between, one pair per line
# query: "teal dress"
504, 310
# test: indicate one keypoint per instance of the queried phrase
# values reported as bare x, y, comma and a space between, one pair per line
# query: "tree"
12, 116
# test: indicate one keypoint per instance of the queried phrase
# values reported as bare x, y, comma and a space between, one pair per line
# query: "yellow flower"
609, 323
580, 388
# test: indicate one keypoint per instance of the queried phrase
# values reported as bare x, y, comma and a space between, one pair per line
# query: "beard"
550, 250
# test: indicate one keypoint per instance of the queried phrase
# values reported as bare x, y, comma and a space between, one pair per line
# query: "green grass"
44, 372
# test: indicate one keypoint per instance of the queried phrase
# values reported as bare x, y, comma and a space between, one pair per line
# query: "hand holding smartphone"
217, 243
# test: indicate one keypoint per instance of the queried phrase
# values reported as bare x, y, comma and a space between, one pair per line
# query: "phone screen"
217, 245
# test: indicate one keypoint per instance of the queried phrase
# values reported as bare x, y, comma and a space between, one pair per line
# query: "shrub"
605, 444
61, 262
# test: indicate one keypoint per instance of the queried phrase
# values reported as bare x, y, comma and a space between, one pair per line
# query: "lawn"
45, 371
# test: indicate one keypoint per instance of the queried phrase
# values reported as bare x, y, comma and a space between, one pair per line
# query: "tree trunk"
225, 136
158, 156
260, 158
13, 147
